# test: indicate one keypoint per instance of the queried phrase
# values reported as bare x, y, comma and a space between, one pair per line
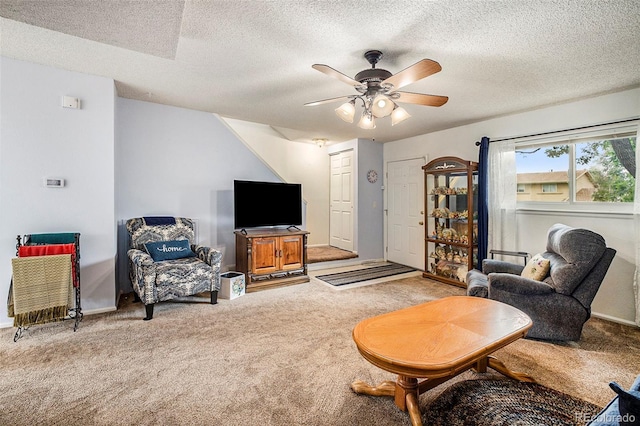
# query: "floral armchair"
179, 269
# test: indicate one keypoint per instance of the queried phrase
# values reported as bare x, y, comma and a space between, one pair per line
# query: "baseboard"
99, 311
614, 319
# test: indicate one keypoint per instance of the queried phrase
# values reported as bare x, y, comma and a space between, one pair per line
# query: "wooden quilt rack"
75, 312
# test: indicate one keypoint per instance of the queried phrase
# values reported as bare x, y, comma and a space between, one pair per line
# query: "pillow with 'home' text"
537, 268
169, 250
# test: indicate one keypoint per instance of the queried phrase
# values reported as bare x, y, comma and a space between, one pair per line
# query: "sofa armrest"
208, 255
213, 258
516, 284
143, 275
489, 266
139, 257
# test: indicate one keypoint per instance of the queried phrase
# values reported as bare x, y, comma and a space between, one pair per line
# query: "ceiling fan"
378, 91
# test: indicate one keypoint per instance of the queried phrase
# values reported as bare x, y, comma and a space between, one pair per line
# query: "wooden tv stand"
272, 257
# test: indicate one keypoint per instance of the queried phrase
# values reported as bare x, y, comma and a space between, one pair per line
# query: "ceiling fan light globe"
398, 115
382, 106
346, 111
367, 122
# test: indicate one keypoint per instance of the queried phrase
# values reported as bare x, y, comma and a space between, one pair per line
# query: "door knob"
421, 223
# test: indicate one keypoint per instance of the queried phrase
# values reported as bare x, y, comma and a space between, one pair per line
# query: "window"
582, 171
545, 176
604, 170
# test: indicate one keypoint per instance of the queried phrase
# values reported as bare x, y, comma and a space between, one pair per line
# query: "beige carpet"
276, 357
328, 253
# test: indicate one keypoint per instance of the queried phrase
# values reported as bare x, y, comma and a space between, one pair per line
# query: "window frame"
571, 139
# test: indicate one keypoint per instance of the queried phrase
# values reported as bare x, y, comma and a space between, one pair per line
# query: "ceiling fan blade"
415, 72
325, 101
336, 74
421, 99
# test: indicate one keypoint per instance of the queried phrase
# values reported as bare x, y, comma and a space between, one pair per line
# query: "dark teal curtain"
483, 200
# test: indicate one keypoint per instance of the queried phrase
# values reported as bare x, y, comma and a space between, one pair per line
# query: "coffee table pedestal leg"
386, 388
405, 392
499, 366
406, 398
496, 364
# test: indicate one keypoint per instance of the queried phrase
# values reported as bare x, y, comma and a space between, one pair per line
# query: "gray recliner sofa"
560, 304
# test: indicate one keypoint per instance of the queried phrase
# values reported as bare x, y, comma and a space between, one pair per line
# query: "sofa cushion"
169, 250
537, 268
182, 277
572, 253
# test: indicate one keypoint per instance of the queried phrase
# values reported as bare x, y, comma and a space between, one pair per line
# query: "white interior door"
342, 217
405, 216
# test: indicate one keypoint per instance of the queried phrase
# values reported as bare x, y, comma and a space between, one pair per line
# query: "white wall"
615, 298
179, 162
39, 138
370, 202
294, 162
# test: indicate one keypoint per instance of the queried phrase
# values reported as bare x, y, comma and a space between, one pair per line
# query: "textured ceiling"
251, 59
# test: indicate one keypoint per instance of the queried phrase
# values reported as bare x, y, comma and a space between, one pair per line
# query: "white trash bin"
231, 285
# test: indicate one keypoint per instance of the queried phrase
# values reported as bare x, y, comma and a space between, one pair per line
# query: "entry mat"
364, 274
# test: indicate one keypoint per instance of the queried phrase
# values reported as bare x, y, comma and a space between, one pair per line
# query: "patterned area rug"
506, 402
364, 274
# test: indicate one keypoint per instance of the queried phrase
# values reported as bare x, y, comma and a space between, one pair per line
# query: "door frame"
385, 197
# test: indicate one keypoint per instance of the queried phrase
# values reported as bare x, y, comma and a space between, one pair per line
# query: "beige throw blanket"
41, 290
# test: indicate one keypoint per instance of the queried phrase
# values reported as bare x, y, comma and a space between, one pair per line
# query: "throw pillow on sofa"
620, 410
628, 405
537, 268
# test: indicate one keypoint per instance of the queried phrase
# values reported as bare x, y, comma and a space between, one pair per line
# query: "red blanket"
50, 249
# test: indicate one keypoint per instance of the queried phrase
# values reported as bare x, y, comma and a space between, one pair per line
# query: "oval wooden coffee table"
436, 341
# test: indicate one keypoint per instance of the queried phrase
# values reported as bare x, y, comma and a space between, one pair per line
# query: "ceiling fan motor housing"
373, 75
372, 78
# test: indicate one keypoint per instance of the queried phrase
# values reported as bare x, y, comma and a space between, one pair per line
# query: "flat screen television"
262, 204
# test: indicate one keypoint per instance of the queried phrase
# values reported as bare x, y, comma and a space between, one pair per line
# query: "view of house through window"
601, 170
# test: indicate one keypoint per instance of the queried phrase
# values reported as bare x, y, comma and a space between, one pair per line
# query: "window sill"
564, 209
